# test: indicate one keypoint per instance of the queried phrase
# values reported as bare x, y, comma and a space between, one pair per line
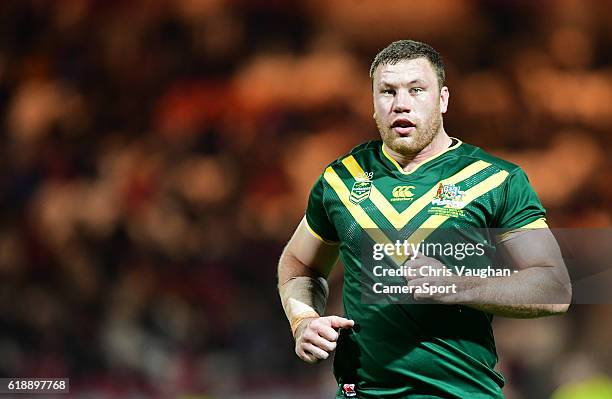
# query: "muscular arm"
541, 287
306, 256
302, 284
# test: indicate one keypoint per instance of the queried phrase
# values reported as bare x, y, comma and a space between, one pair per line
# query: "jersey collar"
427, 160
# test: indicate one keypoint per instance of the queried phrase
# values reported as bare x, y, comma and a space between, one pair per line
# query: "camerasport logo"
349, 390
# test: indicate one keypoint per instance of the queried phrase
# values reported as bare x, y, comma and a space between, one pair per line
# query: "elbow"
565, 297
566, 294
558, 309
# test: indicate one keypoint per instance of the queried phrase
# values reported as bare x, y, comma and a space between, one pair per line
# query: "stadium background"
156, 155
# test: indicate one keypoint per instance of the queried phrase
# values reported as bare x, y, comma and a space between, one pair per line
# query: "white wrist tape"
303, 298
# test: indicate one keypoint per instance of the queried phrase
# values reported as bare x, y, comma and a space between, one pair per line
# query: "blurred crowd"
155, 156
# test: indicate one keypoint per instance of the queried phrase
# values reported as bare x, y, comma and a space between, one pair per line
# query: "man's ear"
444, 96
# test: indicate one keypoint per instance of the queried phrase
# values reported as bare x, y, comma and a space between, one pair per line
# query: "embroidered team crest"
360, 191
449, 195
349, 390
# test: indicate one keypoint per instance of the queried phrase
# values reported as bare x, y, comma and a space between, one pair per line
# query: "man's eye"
416, 90
389, 91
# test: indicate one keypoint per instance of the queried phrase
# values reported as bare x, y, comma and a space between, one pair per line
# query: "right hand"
315, 338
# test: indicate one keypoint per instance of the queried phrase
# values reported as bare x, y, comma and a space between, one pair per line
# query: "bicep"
307, 252
536, 253
532, 248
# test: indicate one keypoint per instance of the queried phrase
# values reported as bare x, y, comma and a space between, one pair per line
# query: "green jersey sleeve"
317, 218
520, 205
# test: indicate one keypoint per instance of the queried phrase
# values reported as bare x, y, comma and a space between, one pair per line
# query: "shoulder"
363, 151
469, 151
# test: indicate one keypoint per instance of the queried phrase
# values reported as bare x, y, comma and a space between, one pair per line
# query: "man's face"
408, 104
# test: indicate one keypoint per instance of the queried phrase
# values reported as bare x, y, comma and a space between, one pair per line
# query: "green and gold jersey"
408, 350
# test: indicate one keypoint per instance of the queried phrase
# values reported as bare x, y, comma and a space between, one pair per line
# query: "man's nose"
402, 102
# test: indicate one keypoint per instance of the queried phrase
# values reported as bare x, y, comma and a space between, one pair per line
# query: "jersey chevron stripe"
399, 220
358, 214
435, 221
429, 225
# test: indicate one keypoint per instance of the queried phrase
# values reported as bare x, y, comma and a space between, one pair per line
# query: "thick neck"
408, 162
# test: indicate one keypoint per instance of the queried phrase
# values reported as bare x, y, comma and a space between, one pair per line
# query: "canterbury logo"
402, 193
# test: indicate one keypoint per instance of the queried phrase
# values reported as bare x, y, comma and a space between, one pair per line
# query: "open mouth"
403, 127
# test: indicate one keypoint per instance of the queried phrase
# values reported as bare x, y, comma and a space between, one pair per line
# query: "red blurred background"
155, 156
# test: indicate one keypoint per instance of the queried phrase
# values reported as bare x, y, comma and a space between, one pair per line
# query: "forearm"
529, 293
522, 311
302, 290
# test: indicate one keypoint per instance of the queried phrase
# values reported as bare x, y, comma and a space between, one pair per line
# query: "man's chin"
404, 145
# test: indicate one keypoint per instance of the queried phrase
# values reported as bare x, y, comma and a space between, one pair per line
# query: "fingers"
312, 352
318, 339
324, 344
421, 267
340, 322
315, 351
415, 266
321, 335
418, 282
305, 356
328, 333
